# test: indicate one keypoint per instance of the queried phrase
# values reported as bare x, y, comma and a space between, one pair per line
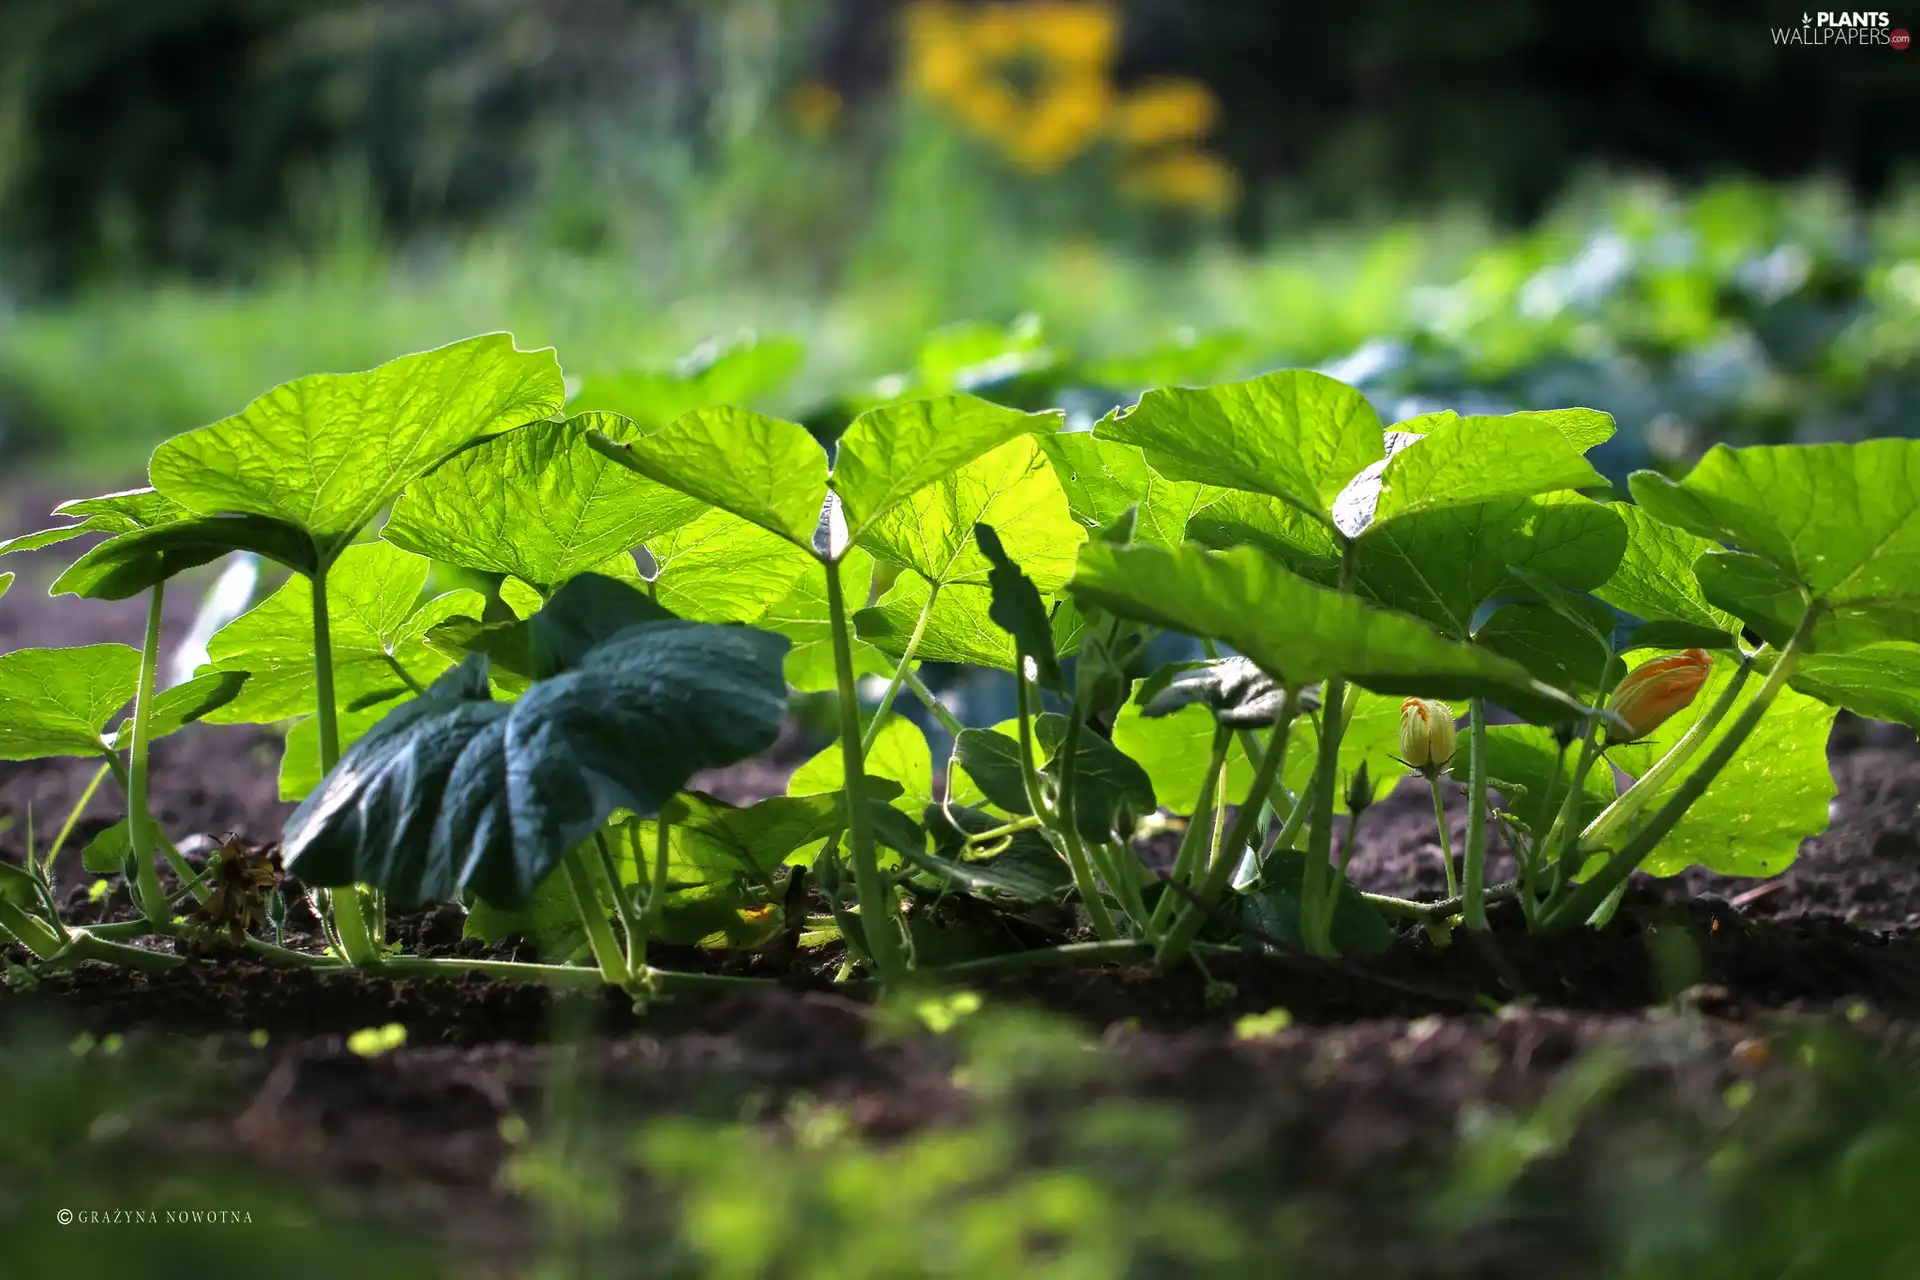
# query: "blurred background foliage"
1654, 209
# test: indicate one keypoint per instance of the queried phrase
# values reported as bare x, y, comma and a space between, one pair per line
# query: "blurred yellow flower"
1183, 176
1032, 78
813, 106
1171, 110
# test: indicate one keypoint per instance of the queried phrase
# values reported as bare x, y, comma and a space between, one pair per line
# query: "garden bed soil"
1384, 1058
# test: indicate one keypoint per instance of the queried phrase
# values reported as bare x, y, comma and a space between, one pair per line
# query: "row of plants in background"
1674, 663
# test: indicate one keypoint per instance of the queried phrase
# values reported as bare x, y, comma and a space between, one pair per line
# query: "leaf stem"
1580, 903
1318, 871
900, 671
356, 944
30, 932
1201, 817
140, 829
593, 917
1246, 820
1474, 872
1059, 819
1446, 837
73, 814
879, 910
947, 719
631, 923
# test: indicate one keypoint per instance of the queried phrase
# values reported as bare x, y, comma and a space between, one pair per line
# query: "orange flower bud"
1654, 691
1426, 734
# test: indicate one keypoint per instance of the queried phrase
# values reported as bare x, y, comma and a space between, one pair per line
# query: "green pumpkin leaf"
325, 453
1305, 545
900, 754
1841, 521
58, 702
1371, 739
586, 610
125, 566
1772, 795
107, 853
1556, 649
891, 453
6, 580
1877, 680
1173, 751
710, 840
176, 708
1536, 776
1011, 488
761, 469
1756, 590
454, 792
1274, 910
1469, 461
1103, 478
1111, 791
1655, 579
1018, 610
960, 629
1298, 631
300, 771
722, 568
378, 628
803, 617
538, 503
1442, 566
1294, 435
128, 511
988, 764
1239, 693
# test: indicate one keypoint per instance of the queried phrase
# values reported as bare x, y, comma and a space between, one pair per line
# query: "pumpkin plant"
664, 579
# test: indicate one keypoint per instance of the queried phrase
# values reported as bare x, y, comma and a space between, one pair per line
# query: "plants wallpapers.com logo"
1857, 29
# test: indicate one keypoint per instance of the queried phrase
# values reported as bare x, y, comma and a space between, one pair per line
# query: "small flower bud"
1654, 691
1359, 790
1426, 735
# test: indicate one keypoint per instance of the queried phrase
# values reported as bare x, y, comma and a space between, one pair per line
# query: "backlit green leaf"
57, 702
899, 754
1018, 610
1295, 630
1877, 680
732, 371
891, 453
1526, 756
1840, 520
1655, 577
377, 626
710, 840
537, 503
1102, 478
129, 564
1294, 435
324, 453
1480, 459
802, 616
721, 568
176, 708
1013, 489
762, 469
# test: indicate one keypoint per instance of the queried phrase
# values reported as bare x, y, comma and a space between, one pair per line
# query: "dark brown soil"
1387, 1059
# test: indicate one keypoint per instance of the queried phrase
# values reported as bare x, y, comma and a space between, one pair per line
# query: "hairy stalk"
1173, 946
1473, 873
1579, 903
1630, 802
1059, 821
140, 828
1199, 819
356, 943
1120, 869
1446, 837
631, 925
1315, 879
406, 677
1425, 911
83, 948
879, 911
1290, 829
900, 671
657, 880
947, 719
593, 917
1556, 842
1332, 906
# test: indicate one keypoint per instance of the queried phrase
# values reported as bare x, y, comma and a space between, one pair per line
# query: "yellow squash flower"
1184, 177
1427, 736
1654, 691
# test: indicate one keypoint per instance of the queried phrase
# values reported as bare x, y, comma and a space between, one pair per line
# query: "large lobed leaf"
1297, 631
324, 453
538, 503
454, 792
1840, 522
